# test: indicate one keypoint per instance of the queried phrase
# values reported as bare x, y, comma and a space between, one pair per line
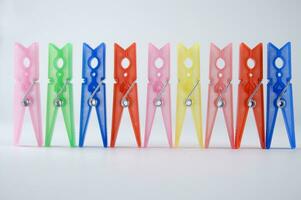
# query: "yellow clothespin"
189, 89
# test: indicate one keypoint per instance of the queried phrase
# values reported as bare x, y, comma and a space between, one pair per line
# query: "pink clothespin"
220, 90
158, 89
27, 90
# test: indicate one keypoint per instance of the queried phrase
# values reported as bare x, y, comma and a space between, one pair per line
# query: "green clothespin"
60, 94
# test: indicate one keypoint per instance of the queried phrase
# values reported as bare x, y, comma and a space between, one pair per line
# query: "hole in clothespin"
60, 63
59, 74
159, 63
251, 63
188, 63
220, 63
188, 74
125, 74
279, 62
158, 74
250, 75
220, 75
125, 63
93, 63
279, 74
26, 62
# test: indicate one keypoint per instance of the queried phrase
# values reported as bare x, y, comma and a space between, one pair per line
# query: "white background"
187, 173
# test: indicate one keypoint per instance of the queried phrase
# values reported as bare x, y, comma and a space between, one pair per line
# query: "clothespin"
27, 90
93, 90
280, 94
158, 89
189, 89
60, 93
250, 91
125, 90
220, 90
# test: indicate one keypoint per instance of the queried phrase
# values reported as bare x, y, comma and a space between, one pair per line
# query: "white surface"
156, 173
127, 173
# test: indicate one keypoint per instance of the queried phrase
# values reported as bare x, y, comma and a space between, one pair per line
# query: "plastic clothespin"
60, 93
280, 94
125, 90
250, 91
27, 90
189, 89
93, 90
158, 90
220, 90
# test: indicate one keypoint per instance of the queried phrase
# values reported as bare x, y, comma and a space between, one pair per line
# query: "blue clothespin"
93, 90
280, 95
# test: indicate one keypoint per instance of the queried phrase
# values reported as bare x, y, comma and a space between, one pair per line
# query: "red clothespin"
250, 91
125, 90
220, 90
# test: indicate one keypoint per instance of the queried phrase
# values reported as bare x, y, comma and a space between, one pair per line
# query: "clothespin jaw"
93, 90
279, 94
189, 90
60, 94
158, 90
250, 91
220, 90
125, 90
27, 90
